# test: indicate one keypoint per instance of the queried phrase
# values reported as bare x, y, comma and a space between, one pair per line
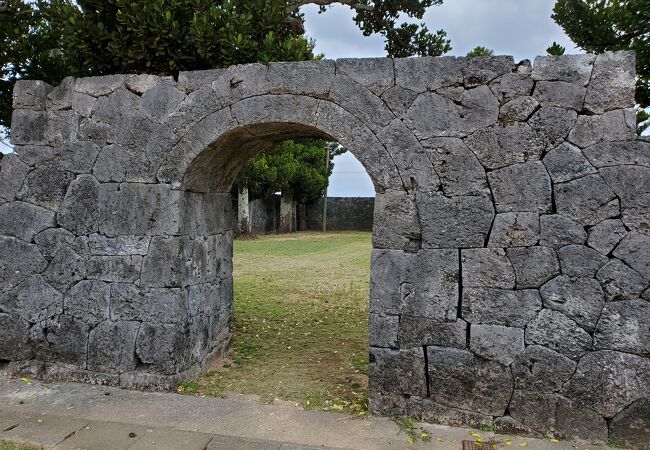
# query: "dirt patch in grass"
301, 321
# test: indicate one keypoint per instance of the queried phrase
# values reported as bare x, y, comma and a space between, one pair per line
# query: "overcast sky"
521, 28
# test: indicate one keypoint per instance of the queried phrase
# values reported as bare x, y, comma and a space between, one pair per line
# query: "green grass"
301, 320
6, 445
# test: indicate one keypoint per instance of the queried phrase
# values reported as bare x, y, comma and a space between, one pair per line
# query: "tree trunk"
286, 213
243, 211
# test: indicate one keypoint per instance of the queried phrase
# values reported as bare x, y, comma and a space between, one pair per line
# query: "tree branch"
354, 4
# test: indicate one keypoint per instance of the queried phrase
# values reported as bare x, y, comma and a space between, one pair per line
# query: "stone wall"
265, 214
511, 259
343, 214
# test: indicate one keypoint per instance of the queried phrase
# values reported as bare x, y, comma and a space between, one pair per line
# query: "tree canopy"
480, 51
50, 39
296, 167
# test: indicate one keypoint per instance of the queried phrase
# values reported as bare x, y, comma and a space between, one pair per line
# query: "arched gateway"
511, 260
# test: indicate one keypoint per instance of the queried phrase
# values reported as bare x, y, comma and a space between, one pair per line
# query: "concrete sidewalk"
80, 416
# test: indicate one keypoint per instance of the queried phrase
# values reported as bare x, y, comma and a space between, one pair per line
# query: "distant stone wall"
265, 214
343, 214
511, 261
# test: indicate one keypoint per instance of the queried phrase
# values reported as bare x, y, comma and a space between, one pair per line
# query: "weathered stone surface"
427, 74
587, 200
192, 80
30, 94
616, 125
624, 326
554, 415
566, 163
433, 412
24, 221
606, 235
382, 330
397, 222
500, 307
607, 154
359, 102
164, 263
376, 74
418, 331
512, 85
313, 78
612, 82
18, 260
111, 347
161, 347
121, 245
89, 301
12, 175
454, 222
432, 115
620, 282
53, 240
423, 284
399, 100
131, 209
570, 68
480, 70
64, 97
514, 230
74, 157
609, 381
33, 299
99, 86
79, 212
46, 186
413, 164
580, 299
458, 169
521, 187
580, 261
533, 266
518, 110
398, 371
65, 269
631, 427
14, 338
561, 94
61, 339
632, 186
156, 103
553, 124
634, 250
539, 369
128, 302
501, 146
557, 231
459, 379
486, 267
496, 342
43, 128
116, 269
555, 331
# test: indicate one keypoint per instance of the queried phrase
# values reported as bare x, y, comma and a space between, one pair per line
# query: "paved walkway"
79, 416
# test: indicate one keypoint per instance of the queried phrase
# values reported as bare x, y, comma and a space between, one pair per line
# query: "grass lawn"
6, 445
301, 320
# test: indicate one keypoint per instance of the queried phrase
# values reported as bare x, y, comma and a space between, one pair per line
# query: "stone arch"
511, 229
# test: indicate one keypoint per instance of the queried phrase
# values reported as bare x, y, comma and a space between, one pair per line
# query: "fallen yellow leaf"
554, 440
409, 440
523, 444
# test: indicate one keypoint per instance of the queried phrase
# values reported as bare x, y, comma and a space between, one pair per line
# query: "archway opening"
300, 295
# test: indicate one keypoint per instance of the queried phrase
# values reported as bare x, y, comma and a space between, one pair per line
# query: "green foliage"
555, 49
642, 121
480, 51
28, 49
602, 25
49, 39
293, 166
